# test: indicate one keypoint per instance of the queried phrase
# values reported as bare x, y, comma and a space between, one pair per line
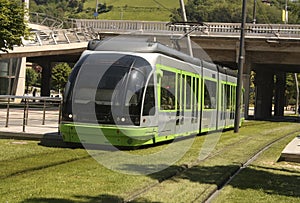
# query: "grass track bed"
33, 173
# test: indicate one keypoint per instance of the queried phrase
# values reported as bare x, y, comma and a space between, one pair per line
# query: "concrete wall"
20, 82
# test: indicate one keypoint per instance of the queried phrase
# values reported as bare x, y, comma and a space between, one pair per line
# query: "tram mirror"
159, 73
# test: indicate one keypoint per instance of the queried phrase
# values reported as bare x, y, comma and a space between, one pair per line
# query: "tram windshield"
108, 88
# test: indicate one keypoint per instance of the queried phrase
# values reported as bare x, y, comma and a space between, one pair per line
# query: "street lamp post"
254, 12
96, 10
286, 12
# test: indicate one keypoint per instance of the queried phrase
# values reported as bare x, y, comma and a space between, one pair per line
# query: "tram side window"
210, 89
167, 91
232, 107
233, 93
188, 91
149, 103
179, 95
228, 96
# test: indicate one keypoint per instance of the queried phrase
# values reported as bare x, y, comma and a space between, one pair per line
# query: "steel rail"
215, 193
184, 167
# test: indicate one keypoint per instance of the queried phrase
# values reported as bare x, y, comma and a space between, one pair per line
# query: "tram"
136, 92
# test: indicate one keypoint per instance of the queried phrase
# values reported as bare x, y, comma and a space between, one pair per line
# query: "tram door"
180, 103
166, 101
209, 113
225, 95
187, 103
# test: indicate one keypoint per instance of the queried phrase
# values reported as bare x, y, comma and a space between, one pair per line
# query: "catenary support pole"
254, 12
183, 13
297, 93
240, 71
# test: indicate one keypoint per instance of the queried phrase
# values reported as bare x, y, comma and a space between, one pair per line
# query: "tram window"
188, 91
233, 92
228, 96
195, 90
223, 96
210, 89
182, 93
198, 93
167, 91
178, 91
195, 94
149, 103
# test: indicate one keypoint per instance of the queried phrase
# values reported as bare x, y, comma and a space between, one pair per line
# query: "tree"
12, 24
31, 78
229, 11
60, 74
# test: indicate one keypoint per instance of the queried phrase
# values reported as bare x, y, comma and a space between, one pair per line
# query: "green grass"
30, 172
266, 180
150, 10
203, 178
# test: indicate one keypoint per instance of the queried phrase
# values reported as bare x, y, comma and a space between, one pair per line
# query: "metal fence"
27, 111
207, 29
81, 30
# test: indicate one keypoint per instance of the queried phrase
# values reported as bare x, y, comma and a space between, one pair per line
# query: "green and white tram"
132, 93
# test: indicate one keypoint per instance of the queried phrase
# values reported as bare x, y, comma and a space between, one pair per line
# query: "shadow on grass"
104, 198
56, 141
83, 199
268, 180
271, 182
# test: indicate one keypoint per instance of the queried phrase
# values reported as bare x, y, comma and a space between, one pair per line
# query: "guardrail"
30, 111
207, 29
45, 20
56, 31
79, 30
60, 36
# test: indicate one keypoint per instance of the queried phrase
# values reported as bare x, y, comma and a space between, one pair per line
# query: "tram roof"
140, 45
143, 45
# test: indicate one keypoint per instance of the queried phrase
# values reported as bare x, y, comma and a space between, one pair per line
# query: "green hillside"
161, 10
150, 10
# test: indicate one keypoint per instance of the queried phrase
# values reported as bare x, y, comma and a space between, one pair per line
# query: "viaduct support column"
263, 93
46, 78
246, 85
279, 94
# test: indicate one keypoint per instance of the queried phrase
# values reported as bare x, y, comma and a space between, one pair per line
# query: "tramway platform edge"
29, 134
291, 152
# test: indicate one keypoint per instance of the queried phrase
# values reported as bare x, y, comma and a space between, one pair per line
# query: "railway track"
190, 180
226, 178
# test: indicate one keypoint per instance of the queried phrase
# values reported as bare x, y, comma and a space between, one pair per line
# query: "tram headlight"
71, 116
67, 117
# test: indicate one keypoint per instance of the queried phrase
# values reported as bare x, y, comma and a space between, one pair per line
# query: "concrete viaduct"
270, 50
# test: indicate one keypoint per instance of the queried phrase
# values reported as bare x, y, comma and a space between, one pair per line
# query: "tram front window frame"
117, 96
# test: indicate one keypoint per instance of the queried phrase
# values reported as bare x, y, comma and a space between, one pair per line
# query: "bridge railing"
60, 36
78, 30
209, 29
43, 19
